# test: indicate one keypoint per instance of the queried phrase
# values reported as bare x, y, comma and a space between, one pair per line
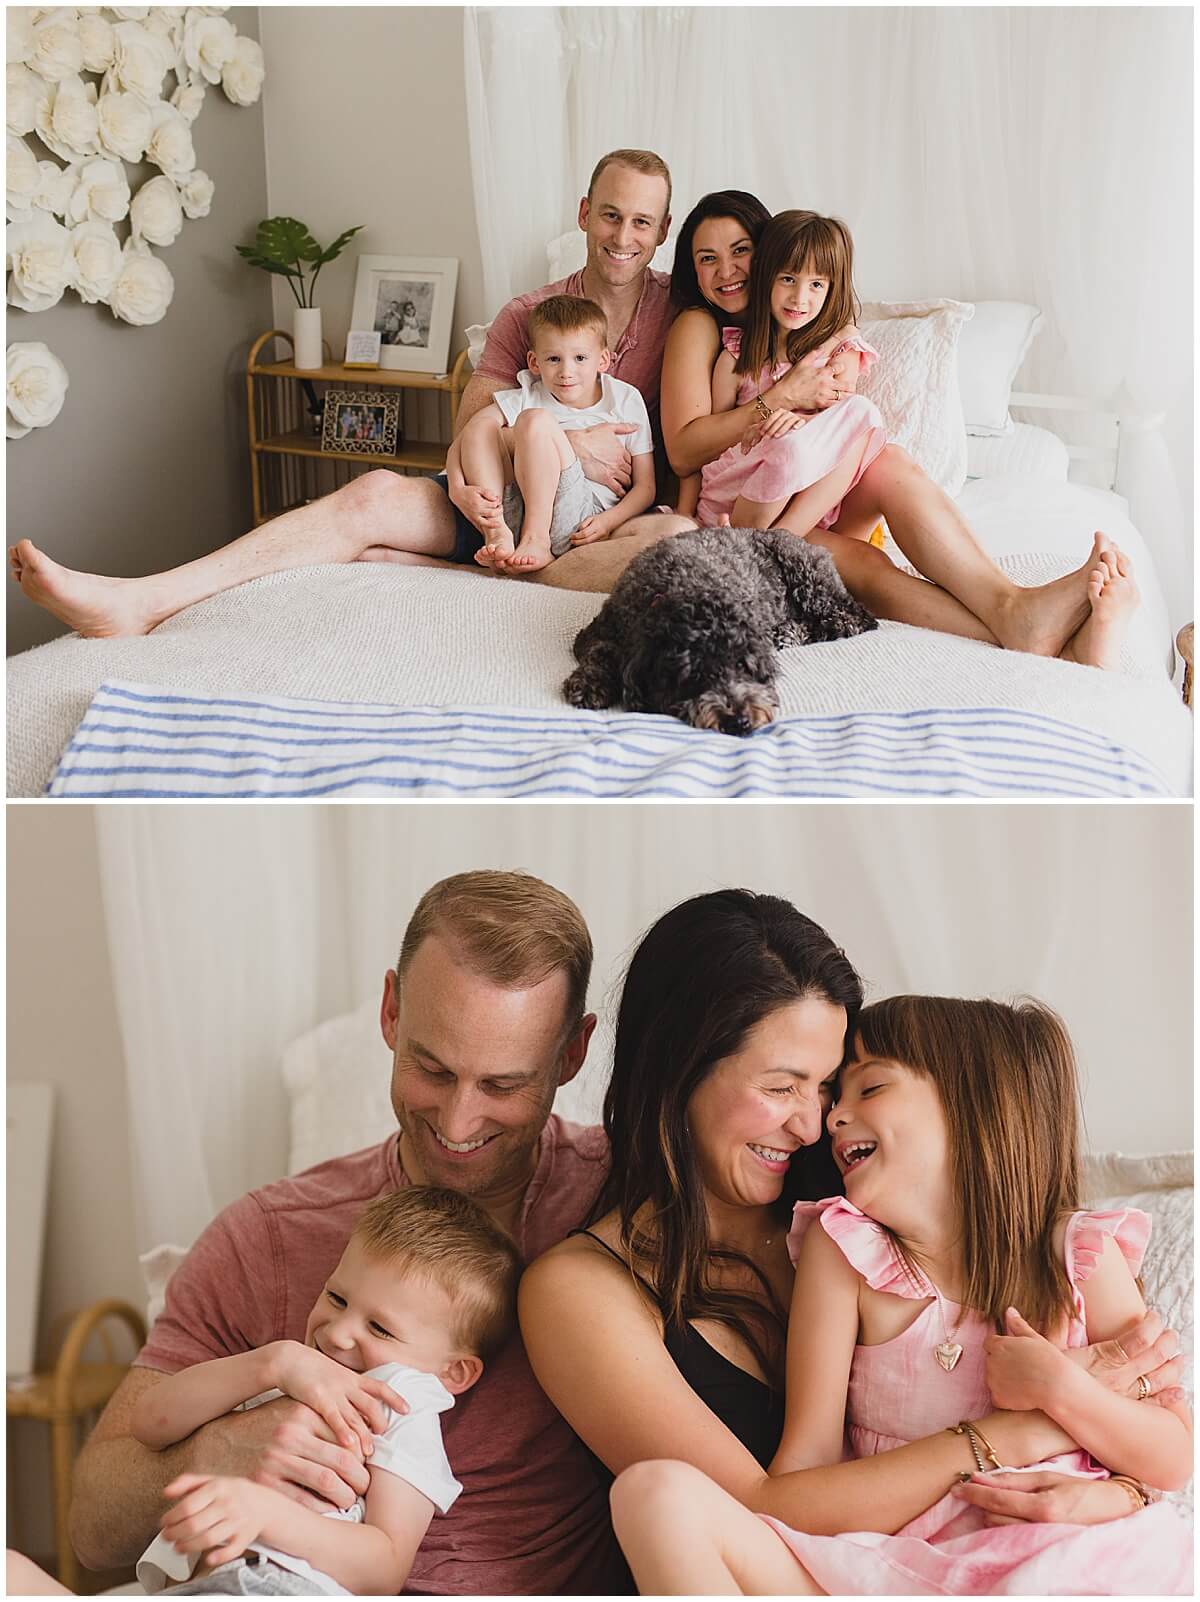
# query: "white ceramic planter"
306, 331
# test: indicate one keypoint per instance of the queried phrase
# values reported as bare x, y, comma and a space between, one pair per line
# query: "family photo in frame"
363, 422
409, 302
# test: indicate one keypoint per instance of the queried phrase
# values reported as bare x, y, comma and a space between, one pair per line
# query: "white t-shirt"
619, 403
409, 1447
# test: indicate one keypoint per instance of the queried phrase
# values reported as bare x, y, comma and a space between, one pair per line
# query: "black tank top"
746, 1406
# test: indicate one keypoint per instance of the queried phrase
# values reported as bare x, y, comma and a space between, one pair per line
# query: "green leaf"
283, 239
331, 252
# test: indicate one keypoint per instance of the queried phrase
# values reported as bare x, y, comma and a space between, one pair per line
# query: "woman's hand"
1146, 1348
1044, 1497
352, 1405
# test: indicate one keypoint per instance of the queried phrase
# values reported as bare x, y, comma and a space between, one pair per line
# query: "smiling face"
475, 1069
570, 364
372, 1312
625, 219
721, 254
797, 298
891, 1143
758, 1107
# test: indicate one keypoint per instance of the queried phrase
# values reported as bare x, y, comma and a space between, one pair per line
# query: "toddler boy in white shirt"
512, 473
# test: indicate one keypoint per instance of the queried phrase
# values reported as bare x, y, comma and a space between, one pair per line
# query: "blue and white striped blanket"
142, 740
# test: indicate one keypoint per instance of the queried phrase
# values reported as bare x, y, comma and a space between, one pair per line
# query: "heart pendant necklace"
947, 1352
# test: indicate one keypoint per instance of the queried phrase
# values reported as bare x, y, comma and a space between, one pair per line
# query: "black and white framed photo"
362, 422
409, 302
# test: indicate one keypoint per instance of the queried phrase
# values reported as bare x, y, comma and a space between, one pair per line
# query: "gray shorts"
575, 500
243, 1577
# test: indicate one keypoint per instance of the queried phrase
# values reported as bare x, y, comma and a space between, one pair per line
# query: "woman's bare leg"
934, 535
888, 591
684, 1536
1113, 597
379, 508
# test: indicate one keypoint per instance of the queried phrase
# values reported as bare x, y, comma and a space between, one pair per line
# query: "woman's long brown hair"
704, 976
1006, 1079
798, 242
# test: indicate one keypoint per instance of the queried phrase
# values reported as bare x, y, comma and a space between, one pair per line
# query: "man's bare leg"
934, 535
594, 569
379, 508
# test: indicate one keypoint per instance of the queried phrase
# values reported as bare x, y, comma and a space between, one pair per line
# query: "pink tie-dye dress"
777, 469
900, 1393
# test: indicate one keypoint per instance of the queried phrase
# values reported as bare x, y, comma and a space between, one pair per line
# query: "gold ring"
1143, 1388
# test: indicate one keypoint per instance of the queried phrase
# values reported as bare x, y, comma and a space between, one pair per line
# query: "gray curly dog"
692, 626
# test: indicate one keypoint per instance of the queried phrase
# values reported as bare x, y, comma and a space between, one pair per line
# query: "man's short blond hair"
511, 927
449, 1240
641, 161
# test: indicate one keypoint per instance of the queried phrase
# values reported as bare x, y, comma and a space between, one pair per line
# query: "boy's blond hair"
450, 1240
512, 928
567, 314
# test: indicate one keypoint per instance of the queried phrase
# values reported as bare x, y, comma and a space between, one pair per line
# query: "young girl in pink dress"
802, 305
954, 1130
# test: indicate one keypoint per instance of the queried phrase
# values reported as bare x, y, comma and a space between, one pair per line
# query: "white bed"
898, 711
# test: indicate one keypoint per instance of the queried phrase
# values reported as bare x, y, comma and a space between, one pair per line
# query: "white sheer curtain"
1009, 153
232, 930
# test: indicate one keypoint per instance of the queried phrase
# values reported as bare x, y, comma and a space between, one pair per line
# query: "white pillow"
990, 352
915, 381
337, 1078
476, 339
568, 253
1026, 452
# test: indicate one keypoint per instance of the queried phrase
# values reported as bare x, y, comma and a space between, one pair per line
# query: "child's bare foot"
1043, 618
1113, 596
96, 607
531, 554
498, 550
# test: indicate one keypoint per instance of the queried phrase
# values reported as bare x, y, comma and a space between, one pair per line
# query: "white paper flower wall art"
98, 89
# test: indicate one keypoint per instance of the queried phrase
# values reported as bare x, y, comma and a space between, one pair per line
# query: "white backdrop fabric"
1040, 154
233, 930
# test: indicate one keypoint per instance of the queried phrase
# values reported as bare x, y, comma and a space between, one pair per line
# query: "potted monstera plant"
283, 245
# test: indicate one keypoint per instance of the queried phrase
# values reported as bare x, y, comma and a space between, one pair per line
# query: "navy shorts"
467, 538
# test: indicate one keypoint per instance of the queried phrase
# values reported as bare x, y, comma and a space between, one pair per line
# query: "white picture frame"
409, 302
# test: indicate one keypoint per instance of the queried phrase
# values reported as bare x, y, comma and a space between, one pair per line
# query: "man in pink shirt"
385, 516
485, 1018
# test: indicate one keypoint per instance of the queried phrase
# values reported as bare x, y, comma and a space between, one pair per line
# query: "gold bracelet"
975, 1439
761, 407
988, 1449
965, 1429
1136, 1495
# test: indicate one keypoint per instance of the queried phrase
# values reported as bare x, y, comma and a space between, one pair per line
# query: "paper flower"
19, 29
99, 191
36, 388
208, 43
242, 79
38, 257
144, 288
21, 177
66, 120
196, 194
98, 42
188, 100
57, 51
123, 125
130, 13
139, 61
170, 144
53, 188
24, 92
155, 212
96, 261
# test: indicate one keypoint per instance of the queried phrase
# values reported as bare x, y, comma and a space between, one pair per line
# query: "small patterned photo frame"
361, 422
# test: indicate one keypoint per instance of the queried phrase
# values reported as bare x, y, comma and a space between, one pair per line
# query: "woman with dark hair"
660, 1330
967, 594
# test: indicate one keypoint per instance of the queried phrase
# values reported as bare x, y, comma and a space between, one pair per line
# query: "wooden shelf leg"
62, 1452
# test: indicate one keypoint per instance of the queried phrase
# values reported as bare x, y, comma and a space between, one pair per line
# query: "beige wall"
58, 970
146, 464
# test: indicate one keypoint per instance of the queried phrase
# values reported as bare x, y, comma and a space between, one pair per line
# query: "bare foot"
531, 554
1113, 597
96, 607
500, 546
1043, 618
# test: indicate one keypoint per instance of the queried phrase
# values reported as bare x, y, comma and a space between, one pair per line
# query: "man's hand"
286, 1446
1044, 1497
353, 1406
604, 459
216, 1515
474, 503
1146, 1347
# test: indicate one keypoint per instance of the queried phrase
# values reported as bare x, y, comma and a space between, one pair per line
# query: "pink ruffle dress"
900, 1393
776, 469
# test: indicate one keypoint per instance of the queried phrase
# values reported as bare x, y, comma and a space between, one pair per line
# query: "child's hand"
217, 1515
1023, 1368
353, 1406
592, 529
474, 502
773, 427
